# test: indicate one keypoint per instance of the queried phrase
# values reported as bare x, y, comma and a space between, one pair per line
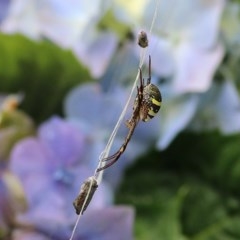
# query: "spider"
146, 105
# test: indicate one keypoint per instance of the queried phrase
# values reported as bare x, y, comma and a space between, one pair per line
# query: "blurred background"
66, 72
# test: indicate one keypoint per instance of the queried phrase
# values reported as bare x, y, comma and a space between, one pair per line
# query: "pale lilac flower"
193, 56
4, 5
62, 22
70, 24
96, 112
55, 158
176, 113
219, 108
108, 223
95, 50
51, 169
185, 50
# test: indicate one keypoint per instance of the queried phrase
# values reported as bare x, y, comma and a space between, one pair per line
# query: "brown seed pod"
142, 39
85, 195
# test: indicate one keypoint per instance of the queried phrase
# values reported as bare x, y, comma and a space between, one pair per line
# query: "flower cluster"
197, 84
184, 46
51, 169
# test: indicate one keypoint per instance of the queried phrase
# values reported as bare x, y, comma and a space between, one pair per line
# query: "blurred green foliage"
109, 22
14, 125
41, 70
190, 191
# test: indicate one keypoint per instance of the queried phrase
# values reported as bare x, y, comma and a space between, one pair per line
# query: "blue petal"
219, 108
4, 5
176, 113
228, 109
63, 139
97, 109
114, 223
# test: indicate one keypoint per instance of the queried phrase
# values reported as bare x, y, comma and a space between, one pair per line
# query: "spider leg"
149, 71
132, 123
113, 158
107, 165
140, 88
115, 155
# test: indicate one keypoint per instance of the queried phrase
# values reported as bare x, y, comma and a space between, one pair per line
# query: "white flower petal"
188, 20
129, 12
195, 67
176, 113
95, 50
228, 109
22, 17
61, 21
207, 22
218, 108
65, 21
162, 56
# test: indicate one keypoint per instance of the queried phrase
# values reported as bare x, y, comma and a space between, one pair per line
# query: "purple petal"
189, 19
176, 114
96, 51
123, 68
98, 110
107, 224
195, 68
22, 18
27, 235
228, 111
29, 156
63, 139
67, 22
4, 6
215, 112
62, 22
29, 162
207, 22
162, 56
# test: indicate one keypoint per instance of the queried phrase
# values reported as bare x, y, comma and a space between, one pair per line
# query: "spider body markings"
146, 105
151, 102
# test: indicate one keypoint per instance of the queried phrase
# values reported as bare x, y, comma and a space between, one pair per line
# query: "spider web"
105, 153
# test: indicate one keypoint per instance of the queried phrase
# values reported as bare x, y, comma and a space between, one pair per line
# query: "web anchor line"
90, 185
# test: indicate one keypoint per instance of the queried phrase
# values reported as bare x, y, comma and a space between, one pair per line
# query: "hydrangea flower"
71, 24
50, 168
187, 54
108, 223
219, 108
60, 21
96, 112
4, 4
180, 52
183, 52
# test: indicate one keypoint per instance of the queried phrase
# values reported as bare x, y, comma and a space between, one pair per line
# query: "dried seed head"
142, 39
85, 195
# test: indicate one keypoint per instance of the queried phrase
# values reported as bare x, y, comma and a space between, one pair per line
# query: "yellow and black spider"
146, 105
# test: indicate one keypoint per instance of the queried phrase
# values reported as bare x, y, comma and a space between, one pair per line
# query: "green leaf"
41, 70
110, 22
14, 125
189, 191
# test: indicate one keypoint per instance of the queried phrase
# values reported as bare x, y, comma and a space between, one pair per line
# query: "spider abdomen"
151, 102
